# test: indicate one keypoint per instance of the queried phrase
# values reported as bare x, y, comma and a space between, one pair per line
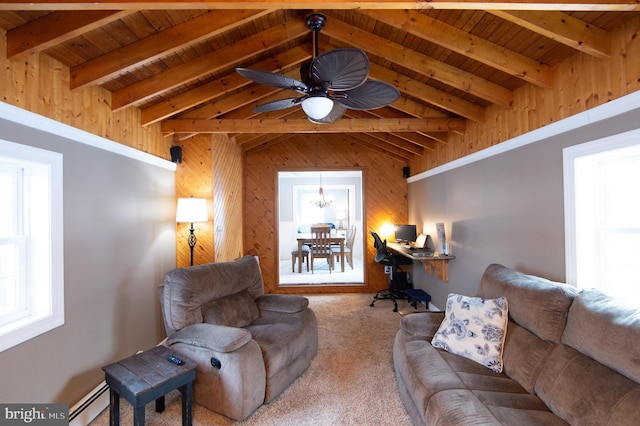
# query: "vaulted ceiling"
450, 60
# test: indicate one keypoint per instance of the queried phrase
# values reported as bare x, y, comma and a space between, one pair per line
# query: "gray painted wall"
119, 241
507, 209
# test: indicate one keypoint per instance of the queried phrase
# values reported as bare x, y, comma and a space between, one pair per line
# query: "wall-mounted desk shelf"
436, 264
433, 263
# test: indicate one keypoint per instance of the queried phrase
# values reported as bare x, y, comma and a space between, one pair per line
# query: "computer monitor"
405, 233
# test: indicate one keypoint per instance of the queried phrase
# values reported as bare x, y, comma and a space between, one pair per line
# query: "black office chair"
396, 289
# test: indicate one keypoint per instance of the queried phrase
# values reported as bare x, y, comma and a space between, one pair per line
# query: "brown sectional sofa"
568, 358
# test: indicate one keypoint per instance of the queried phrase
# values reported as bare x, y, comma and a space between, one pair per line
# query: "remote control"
175, 360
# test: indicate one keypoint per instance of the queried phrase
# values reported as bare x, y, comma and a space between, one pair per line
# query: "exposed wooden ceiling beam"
564, 29
150, 48
425, 139
398, 143
401, 139
419, 63
430, 94
382, 147
238, 106
262, 140
56, 28
418, 139
215, 61
595, 5
462, 42
217, 87
305, 126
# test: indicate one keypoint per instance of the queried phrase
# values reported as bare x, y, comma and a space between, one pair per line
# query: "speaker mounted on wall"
406, 172
176, 154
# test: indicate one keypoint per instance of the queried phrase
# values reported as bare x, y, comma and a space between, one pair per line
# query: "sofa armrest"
218, 338
424, 324
284, 303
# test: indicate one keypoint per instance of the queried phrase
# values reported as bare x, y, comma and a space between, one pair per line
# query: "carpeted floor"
350, 382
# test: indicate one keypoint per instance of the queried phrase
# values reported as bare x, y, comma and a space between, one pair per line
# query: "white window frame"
43, 232
584, 248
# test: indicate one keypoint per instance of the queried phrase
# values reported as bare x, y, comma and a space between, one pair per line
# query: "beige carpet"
350, 382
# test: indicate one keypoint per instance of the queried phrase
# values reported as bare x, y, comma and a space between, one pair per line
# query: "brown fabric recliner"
249, 346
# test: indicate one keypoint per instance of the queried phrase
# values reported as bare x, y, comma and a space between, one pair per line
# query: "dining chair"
348, 245
294, 256
321, 245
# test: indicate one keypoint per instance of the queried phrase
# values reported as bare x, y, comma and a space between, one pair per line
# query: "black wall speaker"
176, 154
406, 172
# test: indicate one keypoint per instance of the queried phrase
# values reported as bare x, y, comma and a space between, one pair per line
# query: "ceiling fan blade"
370, 95
278, 105
336, 113
341, 69
273, 79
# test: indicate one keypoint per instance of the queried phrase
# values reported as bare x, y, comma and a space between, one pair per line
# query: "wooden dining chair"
348, 246
321, 245
294, 256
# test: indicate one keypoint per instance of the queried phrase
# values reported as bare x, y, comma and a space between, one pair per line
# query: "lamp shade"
317, 107
192, 210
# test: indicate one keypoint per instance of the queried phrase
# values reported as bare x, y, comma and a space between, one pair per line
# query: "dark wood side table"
148, 376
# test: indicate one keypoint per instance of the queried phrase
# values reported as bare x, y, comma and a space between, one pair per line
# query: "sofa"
249, 346
567, 358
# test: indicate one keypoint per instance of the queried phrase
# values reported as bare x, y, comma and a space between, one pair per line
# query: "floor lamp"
191, 210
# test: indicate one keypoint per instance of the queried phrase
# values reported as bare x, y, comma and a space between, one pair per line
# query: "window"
602, 216
31, 249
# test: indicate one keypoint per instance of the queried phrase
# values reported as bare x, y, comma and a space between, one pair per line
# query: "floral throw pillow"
475, 328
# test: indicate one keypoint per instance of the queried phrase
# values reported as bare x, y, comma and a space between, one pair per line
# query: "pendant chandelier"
321, 201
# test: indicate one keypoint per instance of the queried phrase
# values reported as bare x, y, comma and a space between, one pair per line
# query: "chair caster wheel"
371, 304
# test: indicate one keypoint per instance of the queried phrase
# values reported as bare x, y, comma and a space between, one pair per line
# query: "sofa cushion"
535, 303
605, 330
235, 310
475, 328
584, 392
524, 355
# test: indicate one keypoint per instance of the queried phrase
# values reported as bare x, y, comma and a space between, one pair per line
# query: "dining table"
306, 238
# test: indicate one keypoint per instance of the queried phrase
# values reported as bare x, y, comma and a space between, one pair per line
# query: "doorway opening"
331, 197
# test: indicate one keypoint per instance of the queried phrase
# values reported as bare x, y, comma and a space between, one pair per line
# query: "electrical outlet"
387, 269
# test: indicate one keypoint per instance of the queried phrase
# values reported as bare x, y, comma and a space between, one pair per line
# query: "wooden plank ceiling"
450, 60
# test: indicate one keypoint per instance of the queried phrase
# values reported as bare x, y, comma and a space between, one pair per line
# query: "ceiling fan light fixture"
317, 107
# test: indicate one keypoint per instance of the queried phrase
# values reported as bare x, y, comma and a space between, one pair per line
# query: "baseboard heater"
89, 407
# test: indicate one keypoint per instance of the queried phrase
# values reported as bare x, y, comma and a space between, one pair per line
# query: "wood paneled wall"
227, 199
40, 84
384, 197
211, 169
580, 83
194, 177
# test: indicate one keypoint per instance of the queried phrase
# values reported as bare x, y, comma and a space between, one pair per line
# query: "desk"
432, 262
306, 239
148, 376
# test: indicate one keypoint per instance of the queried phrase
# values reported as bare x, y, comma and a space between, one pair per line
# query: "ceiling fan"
330, 84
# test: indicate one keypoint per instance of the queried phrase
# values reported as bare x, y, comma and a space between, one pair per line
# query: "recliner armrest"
282, 303
424, 324
219, 338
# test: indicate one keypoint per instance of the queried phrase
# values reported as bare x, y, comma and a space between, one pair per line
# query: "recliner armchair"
249, 346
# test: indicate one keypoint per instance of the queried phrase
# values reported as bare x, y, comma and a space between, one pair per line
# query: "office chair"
384, 257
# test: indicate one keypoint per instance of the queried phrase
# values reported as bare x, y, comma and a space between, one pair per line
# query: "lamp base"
192, 240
